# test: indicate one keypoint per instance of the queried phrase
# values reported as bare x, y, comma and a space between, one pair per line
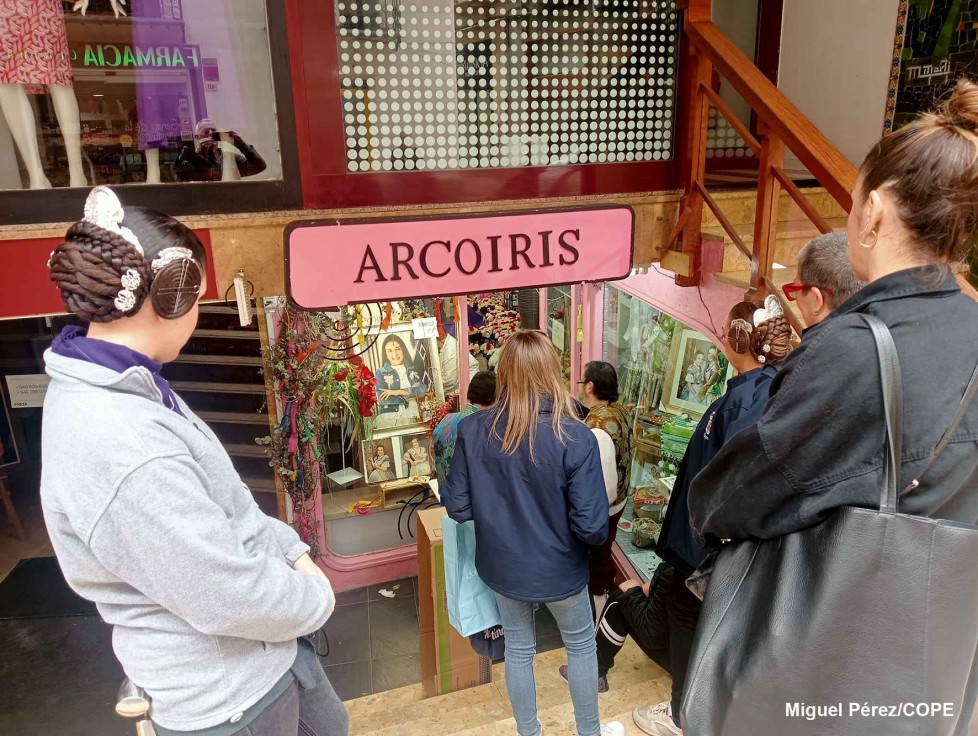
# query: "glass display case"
669, 373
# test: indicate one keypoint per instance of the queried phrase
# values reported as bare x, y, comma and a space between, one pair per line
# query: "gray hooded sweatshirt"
150, 520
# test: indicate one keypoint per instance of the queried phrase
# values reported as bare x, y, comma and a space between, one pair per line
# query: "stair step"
243, 450
228, 334
434, 714
481, 710
260, 484
740, 205
741, 279
226, 388
558, 718
786, 228
201, 359
234, 417
217, 308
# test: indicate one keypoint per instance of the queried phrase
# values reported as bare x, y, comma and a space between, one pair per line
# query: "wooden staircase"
770, 238
219, 374
485, 710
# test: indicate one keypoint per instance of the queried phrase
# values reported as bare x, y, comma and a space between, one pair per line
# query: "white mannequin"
19, 115
20, 118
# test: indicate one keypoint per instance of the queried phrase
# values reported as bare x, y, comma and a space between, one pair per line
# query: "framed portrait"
416, 455
8, 443
697, 374
379, 460
409, 382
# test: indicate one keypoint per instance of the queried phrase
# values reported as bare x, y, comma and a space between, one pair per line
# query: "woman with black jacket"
819, 445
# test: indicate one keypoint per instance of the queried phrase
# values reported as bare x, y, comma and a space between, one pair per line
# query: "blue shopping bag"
471, 604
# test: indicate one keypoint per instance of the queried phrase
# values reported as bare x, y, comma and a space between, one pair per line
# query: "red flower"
355, 360
341, 376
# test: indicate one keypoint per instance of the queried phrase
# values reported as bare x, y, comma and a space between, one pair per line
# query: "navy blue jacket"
740, 407
533, 519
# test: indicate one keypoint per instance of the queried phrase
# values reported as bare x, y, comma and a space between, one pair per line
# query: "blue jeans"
574, 619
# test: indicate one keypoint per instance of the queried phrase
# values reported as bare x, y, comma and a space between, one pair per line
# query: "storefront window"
668, 375
474, 85
559, 305
153, 91
359, 391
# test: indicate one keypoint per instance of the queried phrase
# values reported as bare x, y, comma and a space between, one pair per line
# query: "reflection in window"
495, 83
174, 91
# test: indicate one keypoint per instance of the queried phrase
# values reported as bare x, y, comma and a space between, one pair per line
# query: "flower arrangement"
321, 386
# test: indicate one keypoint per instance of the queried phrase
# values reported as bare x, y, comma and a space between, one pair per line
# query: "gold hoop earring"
869, 245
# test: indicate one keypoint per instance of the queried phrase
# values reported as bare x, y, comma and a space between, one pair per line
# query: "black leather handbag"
865, 625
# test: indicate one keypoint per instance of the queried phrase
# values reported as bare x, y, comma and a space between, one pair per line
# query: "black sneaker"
602, 681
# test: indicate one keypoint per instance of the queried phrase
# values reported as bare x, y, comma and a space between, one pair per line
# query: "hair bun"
961, 108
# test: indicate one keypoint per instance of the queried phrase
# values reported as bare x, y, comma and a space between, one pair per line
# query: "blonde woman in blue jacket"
528, 472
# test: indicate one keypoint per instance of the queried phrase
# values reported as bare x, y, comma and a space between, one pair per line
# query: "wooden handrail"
725, 222
729, 116
777, 112
678, 228
801, 200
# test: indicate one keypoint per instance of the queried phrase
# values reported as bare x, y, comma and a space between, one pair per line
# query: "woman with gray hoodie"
209, 599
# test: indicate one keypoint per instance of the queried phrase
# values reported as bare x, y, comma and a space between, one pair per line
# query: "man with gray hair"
825, 280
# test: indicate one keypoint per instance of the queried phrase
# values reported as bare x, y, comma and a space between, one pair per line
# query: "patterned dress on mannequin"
33, 43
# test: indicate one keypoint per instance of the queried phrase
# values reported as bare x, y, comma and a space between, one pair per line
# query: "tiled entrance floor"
373, 640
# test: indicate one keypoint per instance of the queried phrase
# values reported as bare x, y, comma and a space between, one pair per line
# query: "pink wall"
704, 308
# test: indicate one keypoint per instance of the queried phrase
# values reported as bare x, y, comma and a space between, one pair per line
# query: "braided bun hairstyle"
93, 265
772, 339
88, 269
738, 338
769, 341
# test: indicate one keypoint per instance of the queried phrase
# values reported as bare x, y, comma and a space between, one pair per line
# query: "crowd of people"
211, 601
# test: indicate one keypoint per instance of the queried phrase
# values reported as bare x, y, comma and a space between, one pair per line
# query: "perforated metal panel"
478, 84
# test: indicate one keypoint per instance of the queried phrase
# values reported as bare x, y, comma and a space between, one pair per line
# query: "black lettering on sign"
423, 258
405, 261
368, 256
564, 261
546, 248
458, 256
519, 252
494, 246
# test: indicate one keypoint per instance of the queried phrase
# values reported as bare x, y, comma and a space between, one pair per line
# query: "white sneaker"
612, 729
656, 720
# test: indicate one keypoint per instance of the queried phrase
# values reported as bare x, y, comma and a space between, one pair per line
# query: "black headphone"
177, 278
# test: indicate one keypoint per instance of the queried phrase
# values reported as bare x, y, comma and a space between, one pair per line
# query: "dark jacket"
533, 519
819, 445
742, 405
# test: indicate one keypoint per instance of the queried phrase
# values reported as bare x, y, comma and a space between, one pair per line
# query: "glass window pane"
165, 91
668, 374
443, 85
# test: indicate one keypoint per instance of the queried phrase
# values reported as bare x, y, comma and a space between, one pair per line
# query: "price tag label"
425, 327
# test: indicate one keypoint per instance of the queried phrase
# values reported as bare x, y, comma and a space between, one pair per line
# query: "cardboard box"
448, 662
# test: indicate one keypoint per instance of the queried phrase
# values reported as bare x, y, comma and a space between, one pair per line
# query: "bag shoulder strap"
892, 382
969, 394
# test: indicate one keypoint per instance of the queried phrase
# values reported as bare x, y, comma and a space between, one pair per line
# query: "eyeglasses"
791, 289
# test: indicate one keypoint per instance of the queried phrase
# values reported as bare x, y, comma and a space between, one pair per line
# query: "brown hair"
771, 340
931, 167
529, 374
89, 266
88, 269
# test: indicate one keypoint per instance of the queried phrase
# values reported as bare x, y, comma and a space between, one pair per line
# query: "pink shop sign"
329, 264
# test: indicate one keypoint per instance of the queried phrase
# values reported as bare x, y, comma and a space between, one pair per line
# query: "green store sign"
115, 56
